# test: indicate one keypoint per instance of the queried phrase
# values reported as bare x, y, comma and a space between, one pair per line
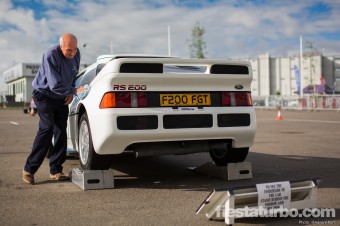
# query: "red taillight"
236, 99
226, 99
124, 100
243, 99
142, 100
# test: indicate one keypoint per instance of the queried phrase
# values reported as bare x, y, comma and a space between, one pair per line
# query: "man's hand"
68, 99
83, 91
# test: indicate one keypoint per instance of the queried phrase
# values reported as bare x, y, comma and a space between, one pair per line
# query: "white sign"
274, 195
21, 70
30, 69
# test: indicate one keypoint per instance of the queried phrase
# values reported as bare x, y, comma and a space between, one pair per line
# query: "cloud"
234, 29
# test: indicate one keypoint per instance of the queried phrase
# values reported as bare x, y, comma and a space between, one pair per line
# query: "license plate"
188, 99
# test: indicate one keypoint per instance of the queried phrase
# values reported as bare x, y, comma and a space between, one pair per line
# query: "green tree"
310, 50
197, 45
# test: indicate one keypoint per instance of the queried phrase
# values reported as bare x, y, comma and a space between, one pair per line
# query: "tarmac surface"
161, 190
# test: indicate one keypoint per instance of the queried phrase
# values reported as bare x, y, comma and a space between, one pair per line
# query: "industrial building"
18, 81
274, 76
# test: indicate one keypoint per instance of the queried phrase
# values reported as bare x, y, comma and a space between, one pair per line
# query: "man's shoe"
27, 177
59, 176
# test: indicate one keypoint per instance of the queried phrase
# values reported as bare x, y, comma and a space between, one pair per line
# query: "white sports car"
154, 105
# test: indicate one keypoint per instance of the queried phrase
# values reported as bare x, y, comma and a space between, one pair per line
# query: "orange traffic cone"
279, 117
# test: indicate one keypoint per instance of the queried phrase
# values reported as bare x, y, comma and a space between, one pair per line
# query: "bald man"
53, 90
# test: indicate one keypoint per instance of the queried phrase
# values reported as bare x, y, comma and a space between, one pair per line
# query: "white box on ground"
240, 170
92, 179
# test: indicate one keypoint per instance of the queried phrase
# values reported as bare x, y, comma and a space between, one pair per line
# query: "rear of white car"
157, 106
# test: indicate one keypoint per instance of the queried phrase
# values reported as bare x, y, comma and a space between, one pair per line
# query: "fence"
307, 102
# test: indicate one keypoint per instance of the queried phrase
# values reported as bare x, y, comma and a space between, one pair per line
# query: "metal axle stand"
92, 179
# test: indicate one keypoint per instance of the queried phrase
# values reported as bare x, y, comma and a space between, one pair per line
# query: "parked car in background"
154, 105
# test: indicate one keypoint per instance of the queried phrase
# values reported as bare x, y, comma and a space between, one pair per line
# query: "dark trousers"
53, 122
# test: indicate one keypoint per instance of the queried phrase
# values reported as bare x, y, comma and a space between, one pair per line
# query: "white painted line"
304, 120
14, 123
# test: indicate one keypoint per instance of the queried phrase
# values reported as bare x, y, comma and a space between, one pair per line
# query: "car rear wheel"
88, 158
223, 156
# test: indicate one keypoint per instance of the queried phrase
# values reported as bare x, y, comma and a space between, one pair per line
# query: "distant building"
19, 81
273, 75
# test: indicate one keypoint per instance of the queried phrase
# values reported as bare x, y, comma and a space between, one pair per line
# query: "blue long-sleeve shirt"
56, 75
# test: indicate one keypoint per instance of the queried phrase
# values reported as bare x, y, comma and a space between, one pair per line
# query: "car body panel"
108, 139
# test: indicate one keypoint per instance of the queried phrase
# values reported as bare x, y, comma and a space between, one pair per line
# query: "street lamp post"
169, 41
301, 77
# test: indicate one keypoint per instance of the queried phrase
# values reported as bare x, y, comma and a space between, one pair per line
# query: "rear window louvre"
229, 69
141, 68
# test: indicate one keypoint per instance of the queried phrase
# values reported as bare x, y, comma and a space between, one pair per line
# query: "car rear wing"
177, 65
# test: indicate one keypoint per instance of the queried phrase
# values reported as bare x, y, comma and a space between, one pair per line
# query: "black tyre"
88, 158
226, 155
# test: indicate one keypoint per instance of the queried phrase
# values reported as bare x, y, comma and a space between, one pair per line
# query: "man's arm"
54, 77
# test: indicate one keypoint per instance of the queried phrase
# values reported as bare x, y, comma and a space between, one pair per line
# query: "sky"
234, 29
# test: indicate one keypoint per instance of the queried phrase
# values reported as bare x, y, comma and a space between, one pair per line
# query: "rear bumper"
111, 137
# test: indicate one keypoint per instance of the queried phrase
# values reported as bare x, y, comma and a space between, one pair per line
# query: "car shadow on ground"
172, 172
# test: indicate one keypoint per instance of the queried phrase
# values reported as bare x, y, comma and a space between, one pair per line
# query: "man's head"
68, 45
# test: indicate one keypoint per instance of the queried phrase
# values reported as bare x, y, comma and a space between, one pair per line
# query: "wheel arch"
80, 112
